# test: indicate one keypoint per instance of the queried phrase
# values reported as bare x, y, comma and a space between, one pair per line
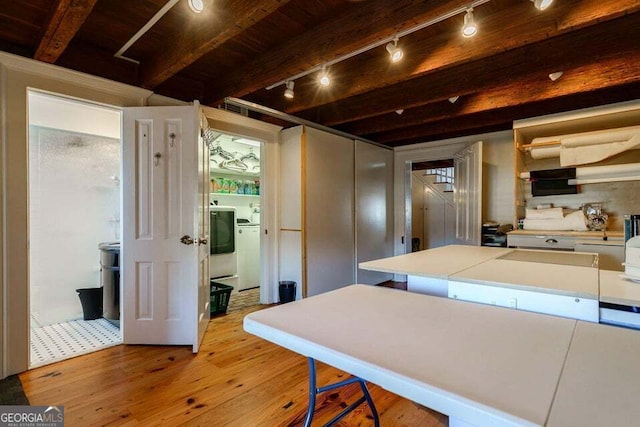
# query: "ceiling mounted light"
288, 92
542, 4
324, 79
453, 99
399, 112
196, 5
394, 51
469, 28
555, 76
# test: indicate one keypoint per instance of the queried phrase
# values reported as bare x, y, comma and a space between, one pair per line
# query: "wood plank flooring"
237, 379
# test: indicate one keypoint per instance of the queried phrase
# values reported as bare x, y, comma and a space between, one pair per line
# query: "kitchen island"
552, 282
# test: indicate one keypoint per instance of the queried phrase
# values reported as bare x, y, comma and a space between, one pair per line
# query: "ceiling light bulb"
555, 76
325, 80
542, 4
394, 51
453, 99
288, 92
399, 112
470, 28
196, 5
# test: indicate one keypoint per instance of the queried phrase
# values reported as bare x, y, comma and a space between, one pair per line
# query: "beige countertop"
617, 290
599, 384
482, 364
569, 280
439, 262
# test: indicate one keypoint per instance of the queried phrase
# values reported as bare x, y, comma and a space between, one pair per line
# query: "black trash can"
110, 280
91, 300
287, 291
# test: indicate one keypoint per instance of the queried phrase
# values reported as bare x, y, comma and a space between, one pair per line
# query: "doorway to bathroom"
236, 187
74, 227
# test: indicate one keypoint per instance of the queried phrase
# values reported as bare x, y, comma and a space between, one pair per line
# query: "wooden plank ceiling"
238, 48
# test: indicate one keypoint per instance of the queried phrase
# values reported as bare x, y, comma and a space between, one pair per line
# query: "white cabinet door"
162, 203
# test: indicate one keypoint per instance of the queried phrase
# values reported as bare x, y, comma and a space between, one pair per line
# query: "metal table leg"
314, 391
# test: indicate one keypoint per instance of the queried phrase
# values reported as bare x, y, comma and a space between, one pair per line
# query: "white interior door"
468, 194
204, 287
164, 236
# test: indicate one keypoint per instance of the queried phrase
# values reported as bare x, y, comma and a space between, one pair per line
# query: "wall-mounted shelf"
212, 195
230, 172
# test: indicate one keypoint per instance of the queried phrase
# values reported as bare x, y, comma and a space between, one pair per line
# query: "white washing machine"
223, 259
248, 248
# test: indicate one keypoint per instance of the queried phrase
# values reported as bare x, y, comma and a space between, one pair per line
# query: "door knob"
187, 240
202, 241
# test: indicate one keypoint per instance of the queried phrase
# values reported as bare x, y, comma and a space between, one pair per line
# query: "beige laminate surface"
617, 290
439, 262
599, 385
482, 364
556, 279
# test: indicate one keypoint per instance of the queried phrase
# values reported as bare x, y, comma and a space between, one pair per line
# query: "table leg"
314, 391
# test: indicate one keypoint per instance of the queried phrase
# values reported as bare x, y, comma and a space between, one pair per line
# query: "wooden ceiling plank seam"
188, 48
65, 20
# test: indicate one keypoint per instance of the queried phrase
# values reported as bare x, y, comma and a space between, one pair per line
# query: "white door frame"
270, 197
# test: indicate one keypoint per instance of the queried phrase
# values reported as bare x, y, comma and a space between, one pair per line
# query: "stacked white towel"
553, 219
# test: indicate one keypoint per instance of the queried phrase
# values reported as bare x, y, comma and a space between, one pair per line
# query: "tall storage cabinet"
318, 225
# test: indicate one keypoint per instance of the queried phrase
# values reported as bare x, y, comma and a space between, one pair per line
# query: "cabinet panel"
539, 302
542, 241
374, 208
329, 219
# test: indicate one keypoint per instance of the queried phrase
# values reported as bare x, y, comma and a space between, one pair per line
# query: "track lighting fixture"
394, 51
196, 5
324, 78
542, 4
288, 92
555, 76
469, 28
453, 99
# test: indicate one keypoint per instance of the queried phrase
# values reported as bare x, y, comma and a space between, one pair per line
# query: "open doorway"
236, 169
432, 204
74, 227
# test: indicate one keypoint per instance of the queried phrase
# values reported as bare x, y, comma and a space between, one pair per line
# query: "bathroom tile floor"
61, 341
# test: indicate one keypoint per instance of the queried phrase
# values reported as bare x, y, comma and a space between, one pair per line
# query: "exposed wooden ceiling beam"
189, 46
477, 122
565, 52
509, 27
376, 20
67, 16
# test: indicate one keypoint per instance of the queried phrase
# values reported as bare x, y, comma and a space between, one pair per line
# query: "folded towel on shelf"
548, 213
575, 221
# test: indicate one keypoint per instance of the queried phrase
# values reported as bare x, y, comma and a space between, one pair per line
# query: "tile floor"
65, 340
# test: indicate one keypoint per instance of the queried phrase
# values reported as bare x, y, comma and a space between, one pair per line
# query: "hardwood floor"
237, 379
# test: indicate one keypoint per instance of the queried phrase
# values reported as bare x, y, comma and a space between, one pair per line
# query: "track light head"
288, 92
542, 4
394, 51
196, 5
453, 99
555, 76
469, 28
324, 78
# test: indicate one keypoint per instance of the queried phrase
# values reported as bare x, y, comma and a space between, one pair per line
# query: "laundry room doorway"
236, 225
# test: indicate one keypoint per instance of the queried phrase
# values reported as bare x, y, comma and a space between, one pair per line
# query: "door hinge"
402, 240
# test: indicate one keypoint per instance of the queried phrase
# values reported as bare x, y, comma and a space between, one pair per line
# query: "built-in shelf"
218, 171
211, 195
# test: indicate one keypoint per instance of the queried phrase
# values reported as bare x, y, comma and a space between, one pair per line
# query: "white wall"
498, 171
